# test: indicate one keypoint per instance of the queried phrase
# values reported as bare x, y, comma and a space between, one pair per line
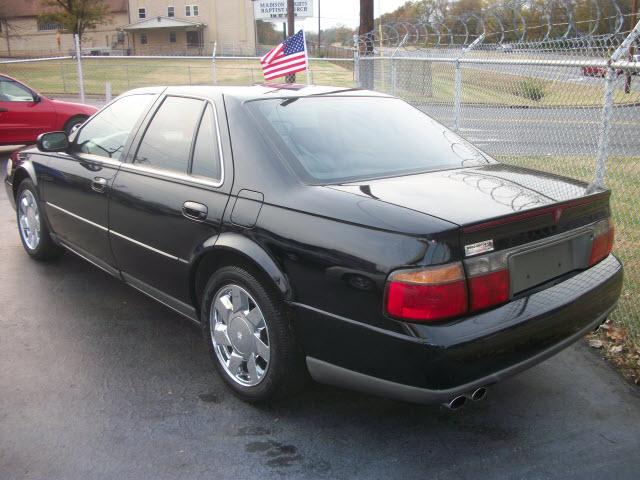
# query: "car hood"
469, 195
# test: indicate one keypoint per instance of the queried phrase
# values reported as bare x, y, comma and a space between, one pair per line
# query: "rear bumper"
433, 363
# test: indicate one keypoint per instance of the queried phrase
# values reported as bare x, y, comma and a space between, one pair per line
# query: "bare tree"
8, 30
76, 16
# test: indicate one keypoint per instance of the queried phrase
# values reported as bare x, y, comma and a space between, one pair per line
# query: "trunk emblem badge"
477, 248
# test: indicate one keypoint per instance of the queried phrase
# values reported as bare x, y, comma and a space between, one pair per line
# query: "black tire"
286, 373
73, 121
46, 249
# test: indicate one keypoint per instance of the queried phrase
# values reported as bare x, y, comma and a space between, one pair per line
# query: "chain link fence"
569, 106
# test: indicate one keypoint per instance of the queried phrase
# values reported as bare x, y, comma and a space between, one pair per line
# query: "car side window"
11, 91
166, 144
206, 155
107, 133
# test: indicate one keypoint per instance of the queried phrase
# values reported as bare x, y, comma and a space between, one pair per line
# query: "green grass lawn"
60, 77
623, 178
417, 81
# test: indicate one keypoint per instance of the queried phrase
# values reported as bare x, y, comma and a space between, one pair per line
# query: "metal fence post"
62, 77
356, 62
394, 69
79, 65
605, 128
394, 76
607, 109
457, 99
214, 73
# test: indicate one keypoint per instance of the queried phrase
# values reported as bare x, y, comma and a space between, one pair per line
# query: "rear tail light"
602, 241
428, 294
439, 293
488, 281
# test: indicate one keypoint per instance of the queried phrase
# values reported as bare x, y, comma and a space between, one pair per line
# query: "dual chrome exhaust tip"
460, 401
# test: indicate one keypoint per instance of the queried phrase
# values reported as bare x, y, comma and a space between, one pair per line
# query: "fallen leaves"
617, 346
595, 343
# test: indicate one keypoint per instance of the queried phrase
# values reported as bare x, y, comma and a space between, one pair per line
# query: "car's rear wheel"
33, 229
250, 337
73, 123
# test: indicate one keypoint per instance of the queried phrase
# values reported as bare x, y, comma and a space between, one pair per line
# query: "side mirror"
36, 98
53, 142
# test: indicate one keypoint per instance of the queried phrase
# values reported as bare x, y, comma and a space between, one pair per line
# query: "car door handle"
195, 211
99, 184
4, 110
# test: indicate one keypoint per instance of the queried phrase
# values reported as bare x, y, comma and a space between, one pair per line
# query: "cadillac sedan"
334, 233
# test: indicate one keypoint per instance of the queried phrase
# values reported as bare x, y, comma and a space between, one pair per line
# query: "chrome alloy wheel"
240, 335
29, 219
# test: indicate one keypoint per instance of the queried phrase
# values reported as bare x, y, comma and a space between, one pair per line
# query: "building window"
187, 10
172, 37
171, 11
142, 13
48, 26
143, 39
195, 10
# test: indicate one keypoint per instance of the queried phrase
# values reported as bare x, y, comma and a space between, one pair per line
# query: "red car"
598, 72
25, 114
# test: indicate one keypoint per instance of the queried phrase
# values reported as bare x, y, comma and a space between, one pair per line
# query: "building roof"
33, 8
161, 22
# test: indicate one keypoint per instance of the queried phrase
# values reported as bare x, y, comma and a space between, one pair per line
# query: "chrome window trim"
168, 174
77, 216
133, 167
89, 157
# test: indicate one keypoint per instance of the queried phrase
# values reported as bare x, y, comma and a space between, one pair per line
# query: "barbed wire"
557, 22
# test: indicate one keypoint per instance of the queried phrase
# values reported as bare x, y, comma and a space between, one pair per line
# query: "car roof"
262, 91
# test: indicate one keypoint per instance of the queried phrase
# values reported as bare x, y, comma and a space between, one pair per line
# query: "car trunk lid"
543, 223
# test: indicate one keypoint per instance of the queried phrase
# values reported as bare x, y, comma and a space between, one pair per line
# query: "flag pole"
306, 57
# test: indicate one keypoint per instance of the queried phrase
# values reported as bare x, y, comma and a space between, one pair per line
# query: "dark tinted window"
167, 142
107, 133
334, 139
206, 156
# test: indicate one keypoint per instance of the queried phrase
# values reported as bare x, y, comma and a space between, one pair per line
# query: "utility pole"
632, 50
291, 25
366, 47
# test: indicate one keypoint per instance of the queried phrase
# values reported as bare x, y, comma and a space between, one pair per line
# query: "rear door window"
167, 141
206, 155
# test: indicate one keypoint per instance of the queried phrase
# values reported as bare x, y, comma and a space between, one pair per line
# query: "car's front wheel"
33, 229
250, 336
73, 123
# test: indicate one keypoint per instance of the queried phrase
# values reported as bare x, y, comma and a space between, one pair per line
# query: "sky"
346, 12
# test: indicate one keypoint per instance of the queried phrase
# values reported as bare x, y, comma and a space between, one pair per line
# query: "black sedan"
336, 233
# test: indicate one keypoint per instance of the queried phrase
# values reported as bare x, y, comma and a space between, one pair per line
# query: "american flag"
288, 57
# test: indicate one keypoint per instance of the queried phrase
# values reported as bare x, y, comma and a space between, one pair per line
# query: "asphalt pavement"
542, 131
98, 381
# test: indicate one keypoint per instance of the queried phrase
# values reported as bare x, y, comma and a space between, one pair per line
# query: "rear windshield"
342, 139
